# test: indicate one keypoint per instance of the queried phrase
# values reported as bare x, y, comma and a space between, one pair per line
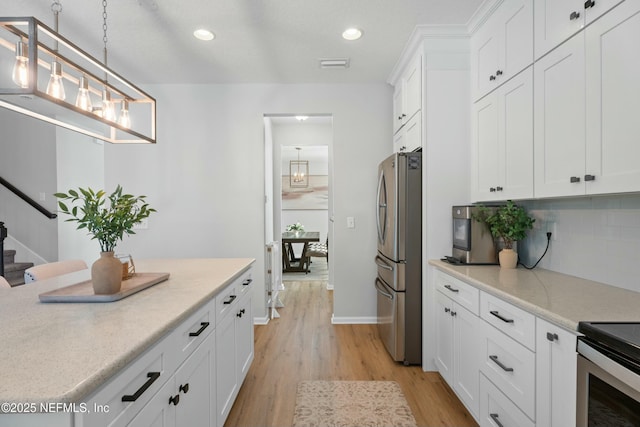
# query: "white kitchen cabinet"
502, 150
502, 47
407, 97
496, 410
556, 375
613, 101
234, 346
559, 121
409, 138
457, 340
556, 21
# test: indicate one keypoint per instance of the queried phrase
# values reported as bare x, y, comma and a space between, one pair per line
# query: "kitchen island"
57, 353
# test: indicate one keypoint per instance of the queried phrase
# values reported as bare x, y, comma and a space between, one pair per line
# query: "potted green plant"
297, 228
508, 223
107, 219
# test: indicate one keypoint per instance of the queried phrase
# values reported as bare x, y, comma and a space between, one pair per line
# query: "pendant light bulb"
125, 119
83, 100
21, 67
108, 109
55, 87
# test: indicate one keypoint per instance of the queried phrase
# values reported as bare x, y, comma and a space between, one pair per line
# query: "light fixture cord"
56, 8
104, 37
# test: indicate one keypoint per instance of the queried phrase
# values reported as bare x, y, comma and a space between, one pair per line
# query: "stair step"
9, 256
14, 272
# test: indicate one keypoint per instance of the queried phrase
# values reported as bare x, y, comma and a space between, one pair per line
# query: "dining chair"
320, 250
52, 269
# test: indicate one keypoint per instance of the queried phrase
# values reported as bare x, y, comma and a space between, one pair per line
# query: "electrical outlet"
351, 222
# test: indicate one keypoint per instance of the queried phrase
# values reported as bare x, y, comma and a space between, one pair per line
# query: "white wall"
205, 176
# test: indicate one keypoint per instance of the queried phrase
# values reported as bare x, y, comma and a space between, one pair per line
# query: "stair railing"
3, 235
27, 199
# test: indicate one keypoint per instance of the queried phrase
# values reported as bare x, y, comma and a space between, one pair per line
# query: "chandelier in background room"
46, 66
299, 172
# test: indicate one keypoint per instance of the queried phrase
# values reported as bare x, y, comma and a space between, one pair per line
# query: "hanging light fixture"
45, 62
299, 172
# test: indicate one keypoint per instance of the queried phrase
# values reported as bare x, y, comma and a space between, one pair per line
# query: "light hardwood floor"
303, 345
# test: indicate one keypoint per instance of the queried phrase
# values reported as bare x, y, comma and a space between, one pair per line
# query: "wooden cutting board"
83, 291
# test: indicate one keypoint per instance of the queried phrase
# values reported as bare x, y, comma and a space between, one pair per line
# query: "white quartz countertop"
559, 298
61, 352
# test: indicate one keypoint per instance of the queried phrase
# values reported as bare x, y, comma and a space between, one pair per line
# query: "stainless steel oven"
608, 375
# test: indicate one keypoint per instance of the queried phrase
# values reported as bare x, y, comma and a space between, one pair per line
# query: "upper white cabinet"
409, 138
502, 142
502, 47
556, 21
586, 108
407, 97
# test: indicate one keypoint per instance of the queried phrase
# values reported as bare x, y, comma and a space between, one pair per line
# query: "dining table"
291, 263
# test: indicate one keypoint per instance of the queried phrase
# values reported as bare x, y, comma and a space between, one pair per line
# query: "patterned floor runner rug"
351, 404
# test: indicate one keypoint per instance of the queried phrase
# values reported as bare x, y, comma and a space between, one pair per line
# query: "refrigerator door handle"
383, 264
381, 230
379, 288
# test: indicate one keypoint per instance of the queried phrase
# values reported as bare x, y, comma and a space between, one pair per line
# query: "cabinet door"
559, 120
466, 333
399, 141
613, 101
195, 384
158, 412
413, 133
444, 337
226, 369
485, 52
516, 136
516, 30
556, 376
555, 21
398, 108
486, 149
244, 331
413, 88
597, 8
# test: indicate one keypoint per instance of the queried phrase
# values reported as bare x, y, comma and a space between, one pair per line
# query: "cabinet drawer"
513, 321
496, 408
510, 366
136, 384
460, 292
226, 299
194, 330
244, 284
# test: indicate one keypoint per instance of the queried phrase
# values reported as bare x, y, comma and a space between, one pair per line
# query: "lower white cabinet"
457, 344
556, 375
497, 410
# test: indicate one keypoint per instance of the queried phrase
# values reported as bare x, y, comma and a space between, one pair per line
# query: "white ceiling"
257, 41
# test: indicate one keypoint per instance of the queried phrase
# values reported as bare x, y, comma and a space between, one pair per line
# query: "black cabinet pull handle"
589, 177
203, 326
574, 15
552, 337
133, 397
175, 400
499, 363
499, 188
494, 417
589, 3
499, 73
446, 309
404, 115
499, 316
492, 189
492, 78
452, 289
453, 313
399, 117
230, 300
184, 388
574, 179
247, 282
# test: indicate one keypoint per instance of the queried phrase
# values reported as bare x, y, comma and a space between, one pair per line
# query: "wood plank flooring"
303, 345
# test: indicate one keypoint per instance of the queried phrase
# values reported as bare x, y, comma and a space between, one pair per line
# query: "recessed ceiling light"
334, 63
302, 118
352, 34
203, 34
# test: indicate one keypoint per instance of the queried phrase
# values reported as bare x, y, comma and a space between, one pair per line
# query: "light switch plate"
351, 222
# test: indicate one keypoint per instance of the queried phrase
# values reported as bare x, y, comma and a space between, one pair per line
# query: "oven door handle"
610, 366
379, 288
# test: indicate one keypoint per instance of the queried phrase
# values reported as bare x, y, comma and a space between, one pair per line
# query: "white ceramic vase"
106, 274
508, 258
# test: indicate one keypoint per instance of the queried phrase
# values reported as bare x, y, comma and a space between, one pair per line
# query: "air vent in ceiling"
334, 63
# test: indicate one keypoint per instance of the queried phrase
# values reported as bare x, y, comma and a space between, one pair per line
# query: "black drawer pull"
203, 326
133, 397
498, 188
589, 3
184, 388
589, 177
574, 15
494, 417
552, 337
175, 400
499, 363
247, 282
492, 189
452, 289
492, 78
230, 300
504, 319
446, 309
574, 179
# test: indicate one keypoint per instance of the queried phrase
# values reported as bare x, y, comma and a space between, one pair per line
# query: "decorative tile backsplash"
596, 238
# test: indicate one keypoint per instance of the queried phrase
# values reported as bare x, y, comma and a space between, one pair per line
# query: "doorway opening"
298, 181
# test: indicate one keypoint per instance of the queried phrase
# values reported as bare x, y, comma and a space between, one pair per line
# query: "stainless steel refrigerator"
399, 258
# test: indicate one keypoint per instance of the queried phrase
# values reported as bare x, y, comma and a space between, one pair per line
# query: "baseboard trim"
344, 320
261, 320
329, 286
